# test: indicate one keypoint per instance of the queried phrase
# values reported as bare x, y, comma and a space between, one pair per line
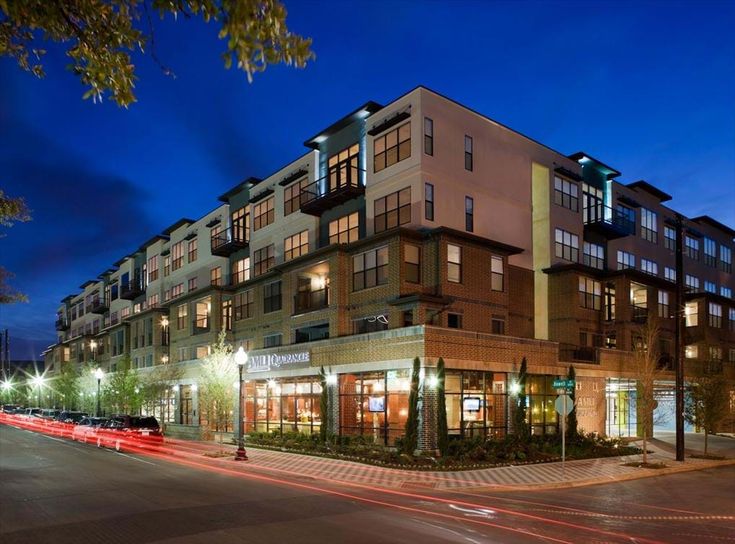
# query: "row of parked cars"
117, 431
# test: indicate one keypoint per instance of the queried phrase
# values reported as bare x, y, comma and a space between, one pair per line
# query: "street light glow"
7, 385
99, 373
241, 357
37, 381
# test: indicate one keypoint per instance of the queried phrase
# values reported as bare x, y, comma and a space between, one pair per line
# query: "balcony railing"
308, 301
584, 354
607, 221
200, 325
228, 241
639, 314
132, 289
62, 324
325, 193
99, 306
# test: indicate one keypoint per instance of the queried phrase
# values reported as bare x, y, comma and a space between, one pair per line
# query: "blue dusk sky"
646, 87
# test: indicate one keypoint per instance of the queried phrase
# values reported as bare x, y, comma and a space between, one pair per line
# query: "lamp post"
241, 358
38, 382
99, 374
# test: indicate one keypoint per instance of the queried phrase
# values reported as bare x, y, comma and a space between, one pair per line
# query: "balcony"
132, 290
583, 354
326, 193
309, 301
62, 324
639, 314
608, 222
98, 306
200, 325
228, 241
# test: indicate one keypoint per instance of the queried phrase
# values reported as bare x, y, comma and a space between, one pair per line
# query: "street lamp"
241, 358
99, 374
38, 382
93, 347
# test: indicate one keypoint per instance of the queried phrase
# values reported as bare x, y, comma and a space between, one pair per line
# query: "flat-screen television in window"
376, 404
471, 404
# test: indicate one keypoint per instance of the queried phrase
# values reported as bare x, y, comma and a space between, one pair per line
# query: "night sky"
647, 88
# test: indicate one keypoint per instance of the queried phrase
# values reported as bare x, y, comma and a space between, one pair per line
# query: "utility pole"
680, 327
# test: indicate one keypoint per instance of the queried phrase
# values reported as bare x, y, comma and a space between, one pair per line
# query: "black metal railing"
308, 301
229, 240
585, 354
200, 325
62, 324
132, 289
610, 219
99, 306
339, 186
639, 314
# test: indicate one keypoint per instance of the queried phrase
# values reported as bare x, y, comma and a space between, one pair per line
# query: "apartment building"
416, 229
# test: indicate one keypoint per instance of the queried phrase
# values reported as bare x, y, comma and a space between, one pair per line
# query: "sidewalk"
521, 477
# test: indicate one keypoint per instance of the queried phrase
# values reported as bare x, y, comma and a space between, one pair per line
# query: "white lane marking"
133, 458
457, 533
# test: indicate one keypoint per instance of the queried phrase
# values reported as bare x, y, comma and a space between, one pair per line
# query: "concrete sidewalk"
520, 477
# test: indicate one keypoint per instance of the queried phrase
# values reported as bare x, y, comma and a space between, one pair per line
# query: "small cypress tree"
323, 407
411, 439
572, 417
442, 432
519, 421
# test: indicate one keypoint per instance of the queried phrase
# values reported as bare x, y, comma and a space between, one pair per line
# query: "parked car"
33, 412
49, 414
86, 429
125, 430
70, 416
10, 408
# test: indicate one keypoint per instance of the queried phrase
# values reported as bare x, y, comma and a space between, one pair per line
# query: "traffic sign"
564, 405
563, 384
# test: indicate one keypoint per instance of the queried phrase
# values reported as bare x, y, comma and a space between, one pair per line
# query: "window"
691, 351
566, 194
264, 259
429, 201
272, 297
731, 355
344, 230
193, 250
468, 153
691, 282
590, 294
166, 265
627, 215
725, 291
292, 196
669, 238
428, 136
241, 271
272, 340
566, 245
691, 314
726, 259
391, 148
454, 321
215, 276
609, 302
412, 263
670, 274
649, 267
264, 213
664, 309
371, 323
393, 210
240, 221
454, 263
153, 268
625, 260
153, 301
691, 247
710, 252
192, 284
649, 225
177, 255
593, 255
407, 318
370, 269
497, 324
710, 287
496, 273
182, 311
469, 214
731, 319
715, 353
244, 305
296, 245
343, 168
715, 315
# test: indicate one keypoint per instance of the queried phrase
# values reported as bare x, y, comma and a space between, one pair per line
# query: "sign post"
564, 406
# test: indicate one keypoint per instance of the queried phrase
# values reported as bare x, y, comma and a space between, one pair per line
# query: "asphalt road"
57, 491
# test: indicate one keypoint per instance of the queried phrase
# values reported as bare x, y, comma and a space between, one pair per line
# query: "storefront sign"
278, 361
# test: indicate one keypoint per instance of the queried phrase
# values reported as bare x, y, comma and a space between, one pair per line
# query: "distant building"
416, 229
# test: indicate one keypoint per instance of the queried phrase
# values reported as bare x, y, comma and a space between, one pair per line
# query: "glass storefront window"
282, 405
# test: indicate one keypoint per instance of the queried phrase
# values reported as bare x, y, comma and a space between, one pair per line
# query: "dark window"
393, 147
469, 214
566, 194
393, 210
429, 201
244, 305
312, 333
496, 273
407, 318
193, 250
669, 238
649, 225
710, 252
428, 136
370, 269
590, 294
497, 324
227, 315
412, 263
593, 255
292, 196
272, 340
691, 247
372, 323
454, 321
264, 259
468, 153
566, 245
272, 297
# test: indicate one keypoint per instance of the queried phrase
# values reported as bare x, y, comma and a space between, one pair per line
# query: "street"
55, 490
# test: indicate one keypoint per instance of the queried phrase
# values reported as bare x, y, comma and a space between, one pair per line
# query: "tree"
67, 386
572, 417
442, 432
103, 35
411, 439
520, 425
155, 385
86, 385
218, 374
707, 402
326, 415
647, 370
12, 210
121, 393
